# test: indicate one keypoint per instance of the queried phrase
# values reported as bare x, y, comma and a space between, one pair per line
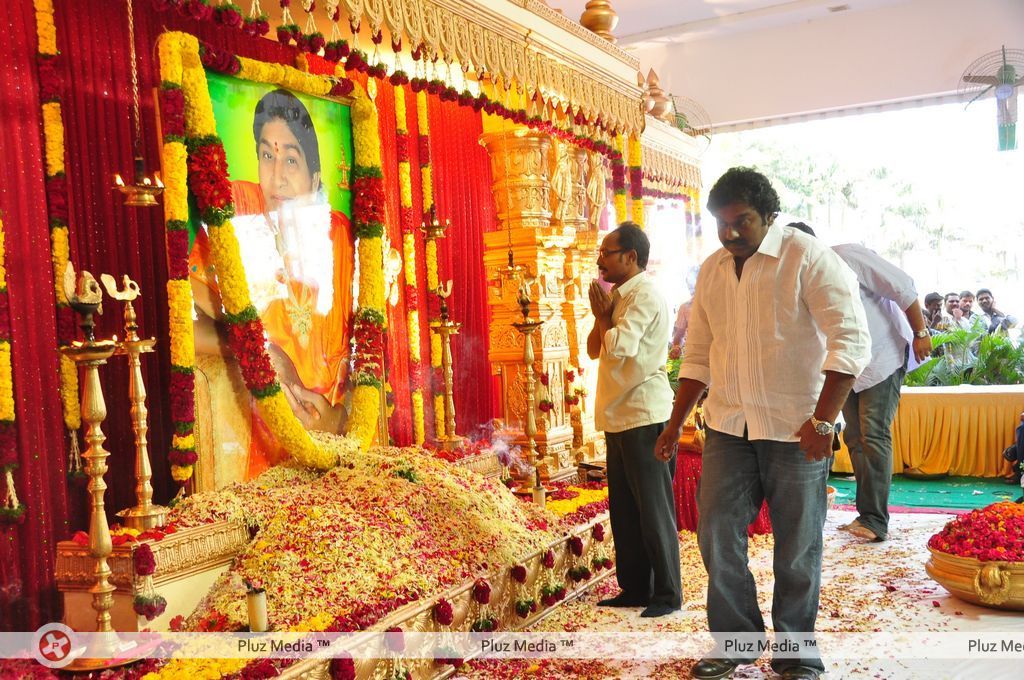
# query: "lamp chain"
136, 117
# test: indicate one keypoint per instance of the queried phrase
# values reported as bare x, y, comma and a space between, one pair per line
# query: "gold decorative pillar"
580, 271
522, 162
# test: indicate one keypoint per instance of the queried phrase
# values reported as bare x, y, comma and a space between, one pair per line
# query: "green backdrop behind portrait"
234, 102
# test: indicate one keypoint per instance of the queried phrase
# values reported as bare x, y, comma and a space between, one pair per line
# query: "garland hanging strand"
50, 90
12, 510
430, 248
404, 140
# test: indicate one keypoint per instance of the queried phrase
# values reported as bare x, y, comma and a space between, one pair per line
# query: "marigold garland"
619, 181
430, 250
636, 191
404, 139
173, 109
11, 509
56, 198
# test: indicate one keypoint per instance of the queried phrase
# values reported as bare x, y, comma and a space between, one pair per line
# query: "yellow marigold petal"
69, 393
53, 133
6, 383
60, 252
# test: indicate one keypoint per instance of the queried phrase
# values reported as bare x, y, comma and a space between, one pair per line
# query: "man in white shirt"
634, 400
895, 323
778, 335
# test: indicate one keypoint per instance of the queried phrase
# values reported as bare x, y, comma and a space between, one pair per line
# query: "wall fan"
691, 118
998, 73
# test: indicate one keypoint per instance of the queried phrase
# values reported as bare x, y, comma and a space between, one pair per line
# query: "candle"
256, 601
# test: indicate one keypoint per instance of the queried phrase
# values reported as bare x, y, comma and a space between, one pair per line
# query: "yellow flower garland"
53, 135
61, 251
637, 204
409, 257
430, 249
418, 421
621, 212
175, 176
3, 257
45, 27
6, 372
6, 382
366, 152
53, 150
423, 127
179, 303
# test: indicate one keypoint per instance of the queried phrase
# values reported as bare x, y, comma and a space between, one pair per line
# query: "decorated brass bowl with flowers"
979, 556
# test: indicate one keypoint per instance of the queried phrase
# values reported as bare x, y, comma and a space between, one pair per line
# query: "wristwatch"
823, 427
923, 333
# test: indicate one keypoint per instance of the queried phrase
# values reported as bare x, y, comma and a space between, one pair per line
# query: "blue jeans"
738, 474
868, 435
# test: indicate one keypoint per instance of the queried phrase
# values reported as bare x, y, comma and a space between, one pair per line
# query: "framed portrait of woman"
288, 157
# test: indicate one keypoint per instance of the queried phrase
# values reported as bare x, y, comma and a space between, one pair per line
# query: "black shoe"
622, 600
656, 610
713, 669
800, 673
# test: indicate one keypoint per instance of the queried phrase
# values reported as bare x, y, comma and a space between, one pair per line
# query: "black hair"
966, 293
745, 185
984, 290
946, 297
282, 105
632, 237
802, 227
932, 297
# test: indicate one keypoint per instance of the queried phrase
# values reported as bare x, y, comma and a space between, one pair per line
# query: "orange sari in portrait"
311, 348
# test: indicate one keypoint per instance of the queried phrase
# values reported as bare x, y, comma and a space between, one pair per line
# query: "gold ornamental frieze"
528, 50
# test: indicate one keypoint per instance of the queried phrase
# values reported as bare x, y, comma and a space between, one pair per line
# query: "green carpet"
952, 493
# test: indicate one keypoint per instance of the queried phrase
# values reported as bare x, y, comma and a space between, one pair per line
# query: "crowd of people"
956, 310
782, 334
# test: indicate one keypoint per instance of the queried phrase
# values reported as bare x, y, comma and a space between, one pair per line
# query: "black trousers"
643, 516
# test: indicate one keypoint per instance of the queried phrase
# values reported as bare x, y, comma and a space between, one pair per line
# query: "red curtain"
462, 185
27, 597
106, 237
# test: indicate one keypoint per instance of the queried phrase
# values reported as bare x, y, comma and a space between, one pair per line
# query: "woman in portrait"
298, 259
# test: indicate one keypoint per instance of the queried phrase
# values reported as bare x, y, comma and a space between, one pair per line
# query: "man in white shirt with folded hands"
634, 399
777, 334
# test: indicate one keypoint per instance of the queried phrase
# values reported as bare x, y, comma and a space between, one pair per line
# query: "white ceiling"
646, 22
756, 62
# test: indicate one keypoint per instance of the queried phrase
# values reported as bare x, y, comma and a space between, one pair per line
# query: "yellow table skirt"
961, 431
